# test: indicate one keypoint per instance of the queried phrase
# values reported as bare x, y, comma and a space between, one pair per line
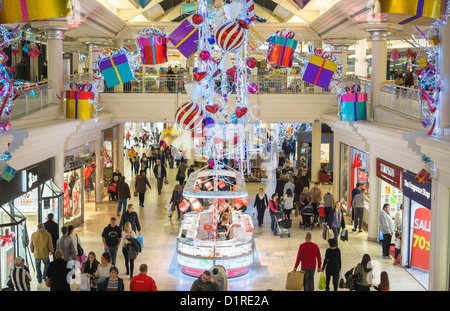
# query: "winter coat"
141, 183
123, 190
41, 244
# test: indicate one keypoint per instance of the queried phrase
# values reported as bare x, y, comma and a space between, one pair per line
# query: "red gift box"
423, 176
221, 184
153, 49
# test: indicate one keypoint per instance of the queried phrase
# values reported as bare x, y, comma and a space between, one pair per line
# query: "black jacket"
112, 235
123, 190
132, 218
163, 171
53, 229
57, 271
331, 215
261, 203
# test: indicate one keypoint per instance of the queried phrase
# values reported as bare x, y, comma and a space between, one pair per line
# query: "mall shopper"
176, 199
90, 266
123, 194
384, 282
288, 201
113, 283
111, 237
65, 243
387, 228
335, 221
19, 276
398, 247
297, 191
355, 191
363, 274
309, 255
305, 198
140, 186
279, 188
289, 185
131, 154
191, 169
132, 217
160, 173
316, 194
281, 160
144, 163
142, 282
332, 264
41, 246
103, 270
328, 202
77, 243
358, 208
136, 163
273, 210
261, 204
398, 222
127, 250
181, 174
52, 227
58, 271
206, 282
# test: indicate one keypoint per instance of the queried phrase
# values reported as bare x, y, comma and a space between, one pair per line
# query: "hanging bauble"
211, 40
209, 122
240, 111
252, 62
231, 71
197, 18
234, 118
199, 75
229, 36
204, 55
252, 88
212, 108
189, 116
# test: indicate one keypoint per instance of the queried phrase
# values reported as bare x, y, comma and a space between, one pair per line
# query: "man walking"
316, 199
65, 243
308, 254
52, 227
160, 173
41, 246
355, 191
111, 237
142, 282
359, 202
387, 228
123, 193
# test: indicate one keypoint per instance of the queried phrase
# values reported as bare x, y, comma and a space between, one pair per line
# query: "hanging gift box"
353, 107
18, 11
5, 125
153, 49
412, 12
220, 184
185, 38
8, 173
79, 103
410, 54
319, 71
33, 52
26, 48
423, 176
189, 8
395, 54
423, 61
281, 51
116, 69
301, 3
434, 40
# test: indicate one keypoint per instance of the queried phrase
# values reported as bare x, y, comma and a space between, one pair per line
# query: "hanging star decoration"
6, 238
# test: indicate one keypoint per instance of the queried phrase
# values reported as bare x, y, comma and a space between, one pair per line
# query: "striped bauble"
229, 36
189, 116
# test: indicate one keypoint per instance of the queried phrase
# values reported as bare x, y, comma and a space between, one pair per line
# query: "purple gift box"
301, 3
185, 38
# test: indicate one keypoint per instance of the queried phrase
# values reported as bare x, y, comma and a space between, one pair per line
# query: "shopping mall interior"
256, 94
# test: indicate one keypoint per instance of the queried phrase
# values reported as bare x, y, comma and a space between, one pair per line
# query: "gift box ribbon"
24, 8
115, 68
419, 13
184, 39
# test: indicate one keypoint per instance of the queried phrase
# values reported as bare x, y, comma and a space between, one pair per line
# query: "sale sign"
66, 199
420, 250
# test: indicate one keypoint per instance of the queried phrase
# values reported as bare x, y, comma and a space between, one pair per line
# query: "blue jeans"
273, 217
38, 261
122, 202
113, 253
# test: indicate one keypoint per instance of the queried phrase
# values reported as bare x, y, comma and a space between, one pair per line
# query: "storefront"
26, 201
416, 227
391, 185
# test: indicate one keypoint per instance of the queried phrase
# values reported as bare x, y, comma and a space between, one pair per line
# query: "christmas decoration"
189, 116
6, 238
18, 11
185, 38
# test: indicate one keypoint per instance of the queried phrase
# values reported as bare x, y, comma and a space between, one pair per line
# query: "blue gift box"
8, 173
353, 110
116, 70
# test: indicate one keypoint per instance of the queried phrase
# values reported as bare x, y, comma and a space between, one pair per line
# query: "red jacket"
307, 254
142, 282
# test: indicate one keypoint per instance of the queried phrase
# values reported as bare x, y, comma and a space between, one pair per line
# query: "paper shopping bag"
294, 280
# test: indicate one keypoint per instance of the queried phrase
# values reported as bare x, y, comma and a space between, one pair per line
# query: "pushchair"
321, 215
307, 217
283, 225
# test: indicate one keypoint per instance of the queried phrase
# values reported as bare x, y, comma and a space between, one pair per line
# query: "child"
398, 246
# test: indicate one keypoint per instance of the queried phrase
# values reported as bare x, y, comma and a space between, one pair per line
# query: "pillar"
55, 62
344, 59
374, 200
120, 146
360, 58
443, 119
379, 62
439, 245
59, 170
98, 174
336, 169
89, 57
315, 151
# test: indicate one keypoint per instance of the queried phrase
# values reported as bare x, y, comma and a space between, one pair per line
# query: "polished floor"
274, 257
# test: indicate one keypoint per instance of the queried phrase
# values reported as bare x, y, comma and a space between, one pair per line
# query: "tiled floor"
273, 257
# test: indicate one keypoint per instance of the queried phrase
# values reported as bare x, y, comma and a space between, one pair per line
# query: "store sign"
421, 193
390, 173
324, 153
420, 248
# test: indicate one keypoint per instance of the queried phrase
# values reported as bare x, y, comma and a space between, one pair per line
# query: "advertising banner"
420, 242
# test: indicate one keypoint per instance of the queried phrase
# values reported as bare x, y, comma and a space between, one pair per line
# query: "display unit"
200, 246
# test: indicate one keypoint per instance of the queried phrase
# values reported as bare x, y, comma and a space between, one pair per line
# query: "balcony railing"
404, 100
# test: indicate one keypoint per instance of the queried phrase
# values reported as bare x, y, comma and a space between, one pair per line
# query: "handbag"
326, 233
48, 282
294, 280
322, 281
344, 235
135, 193
80, 251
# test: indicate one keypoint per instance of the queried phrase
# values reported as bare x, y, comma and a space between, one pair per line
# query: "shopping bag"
140, 239
294, 280
322, 281
167, 209
85, 283
326, 233
344, 235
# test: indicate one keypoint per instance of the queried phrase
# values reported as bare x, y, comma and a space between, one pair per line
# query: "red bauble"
199, 75
197, 19
252, 62
240, 111
189, 116
229, 36
231, 71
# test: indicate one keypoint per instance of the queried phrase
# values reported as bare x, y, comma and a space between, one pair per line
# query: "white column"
59, 170
98, 175
120, 146
374, 200
443, 119
360, 58
344, 59
315, 151
89, 58
379, 62
336, 169
439, 246
55, 62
